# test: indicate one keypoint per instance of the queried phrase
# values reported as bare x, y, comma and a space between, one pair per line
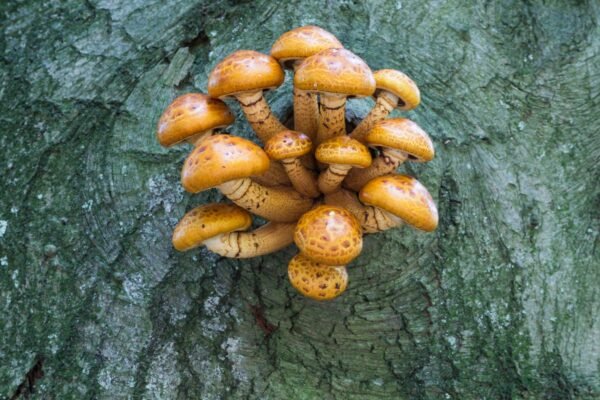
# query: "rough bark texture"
500, 302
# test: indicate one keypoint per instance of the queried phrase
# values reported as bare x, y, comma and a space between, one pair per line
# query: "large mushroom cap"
207, 221
244, 71
344, 150
403, 196
402, 134
335, 71
222, 158
317, 281
330, 235
303, 42
189, 115
400, 85
288, 144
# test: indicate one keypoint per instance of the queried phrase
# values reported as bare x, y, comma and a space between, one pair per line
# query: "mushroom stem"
276, 175
303, 180
372, 219
306, 109
331, 179
198, 138
384, 105
279, 204
267, 239
332, 117
259, 115
387, 161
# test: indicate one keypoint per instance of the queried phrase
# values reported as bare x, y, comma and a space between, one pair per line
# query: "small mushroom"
402, 197
398, 139
341, 153
335, 74
329, 235
317, 281
287, 147
218, 226
192, 117
394, 90
244, 75
290, 49
227, 162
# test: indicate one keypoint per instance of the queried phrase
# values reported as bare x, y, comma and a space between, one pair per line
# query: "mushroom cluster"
315, 185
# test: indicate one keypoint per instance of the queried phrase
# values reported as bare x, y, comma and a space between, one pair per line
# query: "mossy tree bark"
500, 302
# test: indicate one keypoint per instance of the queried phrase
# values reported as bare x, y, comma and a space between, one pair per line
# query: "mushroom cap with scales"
208, 221
404, 197
189, 115
404, 135
303, 42
400, 85
343, 150
288, 144
222, 158
244, 71
330, 235
337, 71
317, 281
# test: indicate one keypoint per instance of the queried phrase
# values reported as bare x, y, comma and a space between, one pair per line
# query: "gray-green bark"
500, 302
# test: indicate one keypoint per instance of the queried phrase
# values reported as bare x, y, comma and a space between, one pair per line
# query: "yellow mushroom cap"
288, 144
335, 71
400, 85
330, 235
222, 158
303, 42
244, 71
403, 196
402, 134
189, 115
207, 221
317, 281
345, 151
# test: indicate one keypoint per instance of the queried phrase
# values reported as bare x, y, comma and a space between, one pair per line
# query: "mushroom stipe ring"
317, 185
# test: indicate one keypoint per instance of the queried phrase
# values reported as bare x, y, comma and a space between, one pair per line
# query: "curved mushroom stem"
306, 109
372, 219
331, 179
259, 115
387, 161
267, 239
275, 176
384, 105
279, 204
332, 117
303, 180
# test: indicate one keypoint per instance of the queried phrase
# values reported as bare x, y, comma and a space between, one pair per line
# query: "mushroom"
342, 154
227, 162
335, 74
329, 235
398, 139
192, 117
217, 227
317, 281
244, 75
287, 147
290, 49
372, 219
402, 197
394, 90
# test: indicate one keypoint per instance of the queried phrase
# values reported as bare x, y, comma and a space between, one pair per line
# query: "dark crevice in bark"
27, 387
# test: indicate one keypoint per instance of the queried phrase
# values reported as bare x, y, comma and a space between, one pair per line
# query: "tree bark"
500, 302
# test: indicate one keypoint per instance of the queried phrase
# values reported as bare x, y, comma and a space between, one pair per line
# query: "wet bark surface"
500, 302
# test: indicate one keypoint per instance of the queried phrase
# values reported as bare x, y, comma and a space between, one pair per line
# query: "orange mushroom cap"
288, 144
335, 71
244, 71
189, 115
400, 85
303, 42
317, 281
222, 158
330, 235
402, 134
403, 196
208, 221
345, 151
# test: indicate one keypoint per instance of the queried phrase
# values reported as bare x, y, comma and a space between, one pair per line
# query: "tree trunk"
500, 302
